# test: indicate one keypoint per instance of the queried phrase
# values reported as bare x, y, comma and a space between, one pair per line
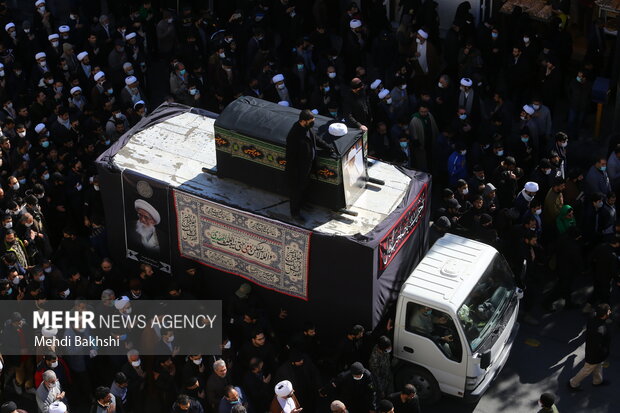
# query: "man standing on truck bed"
301, 145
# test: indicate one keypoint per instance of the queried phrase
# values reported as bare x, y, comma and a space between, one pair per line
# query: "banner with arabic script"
269, 253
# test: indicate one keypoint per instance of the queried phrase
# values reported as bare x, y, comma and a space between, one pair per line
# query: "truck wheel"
424, 382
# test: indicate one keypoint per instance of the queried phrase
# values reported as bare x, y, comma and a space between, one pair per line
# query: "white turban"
142, 204
337, 129
354, 24
284, 388
130, 80
53, 36
120, 303
531, 187
375, 84
528, 109
466, 82
423, 34
64, 29
39, 2
40, 55
98, 76
284, 103
9, 26
39, 127
383, 93
278, 78
49, 332
130, 36
75, 89
82, 55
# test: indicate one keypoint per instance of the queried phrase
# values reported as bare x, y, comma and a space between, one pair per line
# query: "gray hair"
133, 352
218, 363
49, 375
107, 294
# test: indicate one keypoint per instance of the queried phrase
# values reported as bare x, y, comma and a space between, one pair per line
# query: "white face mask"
281, 86
331, 75
67, 292
228, 345
222, 55
388, 101
8, 225
41, 278
526, 40
96, 187
55, 43
440, 85
16, 280
136, 363
465, 191
564, 144
170, 339
48, 270
197, 362
358, 378
21, 134
54, 364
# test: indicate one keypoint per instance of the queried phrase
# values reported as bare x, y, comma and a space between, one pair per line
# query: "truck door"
429, 338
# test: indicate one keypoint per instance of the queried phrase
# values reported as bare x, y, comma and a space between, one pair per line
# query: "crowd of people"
479, 107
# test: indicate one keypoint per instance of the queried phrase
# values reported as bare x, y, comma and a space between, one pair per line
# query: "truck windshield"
481, 313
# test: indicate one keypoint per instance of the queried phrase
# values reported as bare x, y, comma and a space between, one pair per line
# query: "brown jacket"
275, 405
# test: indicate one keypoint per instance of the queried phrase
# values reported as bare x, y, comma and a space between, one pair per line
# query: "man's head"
184, 402
51, 360
103, 396
49, 378
385, 406
306, 118
338, 407
601, 164
603, 311
231, 394
219, 368
284, 389
258, 338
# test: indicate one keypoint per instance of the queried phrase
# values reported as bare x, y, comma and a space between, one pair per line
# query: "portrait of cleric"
144, 234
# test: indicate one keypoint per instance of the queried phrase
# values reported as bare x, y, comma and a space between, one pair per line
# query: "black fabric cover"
272, 123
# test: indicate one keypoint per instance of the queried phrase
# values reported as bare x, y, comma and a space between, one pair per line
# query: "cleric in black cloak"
301, 147
143, 232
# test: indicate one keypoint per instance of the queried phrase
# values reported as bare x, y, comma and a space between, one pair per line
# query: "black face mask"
309, 125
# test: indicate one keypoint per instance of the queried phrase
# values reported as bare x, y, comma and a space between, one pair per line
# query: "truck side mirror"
485, 359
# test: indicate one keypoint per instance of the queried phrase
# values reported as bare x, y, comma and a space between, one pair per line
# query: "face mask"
45, 144
48, 270
96, 188
526, 40
73, 17
599, 204
463, 116
1, 73
536, 107
21, 134
538, 211
22, 181
500, 153
54, 364
358, 378
182, 72
67, 292
334, 114
107, 143
15, 186
418, 41
41, 9
57, 89
440, 85
579, 78
281, 86
128, 311
16, 280
193, 92
403, 87
563, 144
170, 20
547, 171
331, 75
388, 101
197, 361
429, 312
300, 67
404, 145
28, 225
228, 345
41, 278
8, 225
525, 140
13, 34
43, 63
326, 89
46, 176
136, 363
18, 73
228, 39
463, 152
55, 44
465, 191
10, 291
603, 168
170, 339
494, 35
522, 117
222, 55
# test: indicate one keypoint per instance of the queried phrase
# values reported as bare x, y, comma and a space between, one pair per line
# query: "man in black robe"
301, 147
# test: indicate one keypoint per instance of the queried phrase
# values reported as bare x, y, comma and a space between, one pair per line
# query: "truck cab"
456, 320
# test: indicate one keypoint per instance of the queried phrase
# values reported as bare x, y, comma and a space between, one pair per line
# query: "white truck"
456, 320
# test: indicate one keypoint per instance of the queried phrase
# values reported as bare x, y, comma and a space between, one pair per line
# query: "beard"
147, 234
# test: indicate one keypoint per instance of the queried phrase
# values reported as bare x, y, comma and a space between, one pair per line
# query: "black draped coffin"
251, 147
350, 279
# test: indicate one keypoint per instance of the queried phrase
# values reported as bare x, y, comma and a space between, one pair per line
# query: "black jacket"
301, 151
356, 110
598, 340
357, 395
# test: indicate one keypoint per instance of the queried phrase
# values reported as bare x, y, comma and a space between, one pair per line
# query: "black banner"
147, 220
